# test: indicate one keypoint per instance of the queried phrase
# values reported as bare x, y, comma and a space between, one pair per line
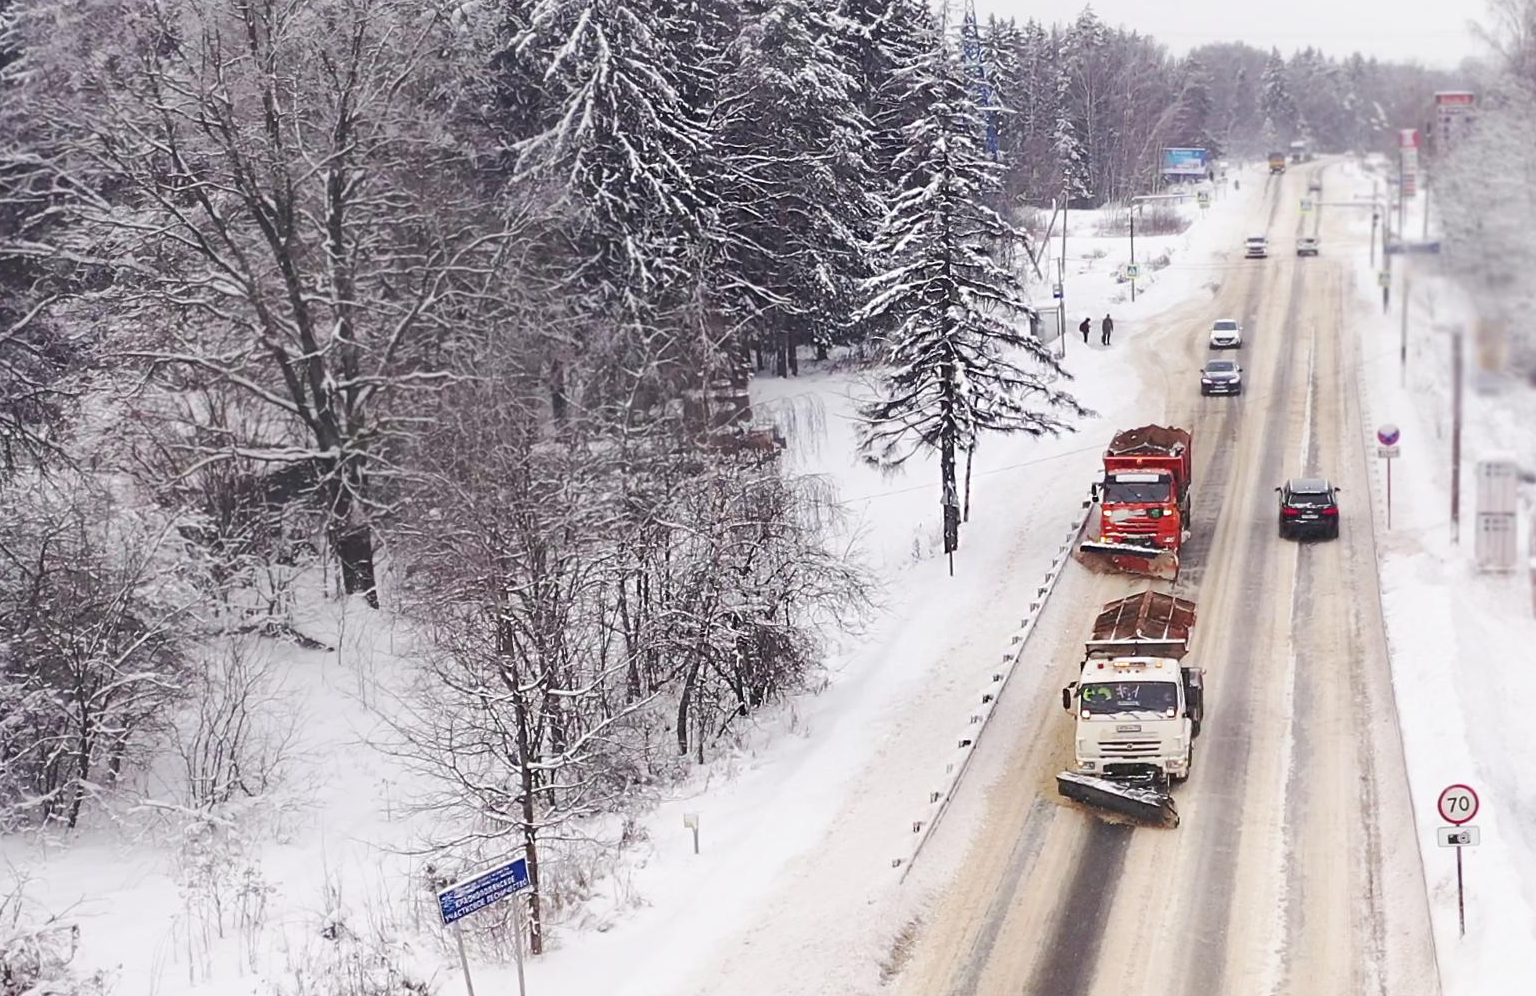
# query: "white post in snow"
517, 948
458, 934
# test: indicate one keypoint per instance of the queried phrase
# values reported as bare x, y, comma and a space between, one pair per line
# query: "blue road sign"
1396, 248
474, 894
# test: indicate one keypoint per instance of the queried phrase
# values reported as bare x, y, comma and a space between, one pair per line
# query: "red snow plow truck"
1143, 500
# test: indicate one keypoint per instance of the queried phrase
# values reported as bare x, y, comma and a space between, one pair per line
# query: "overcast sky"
1433, 32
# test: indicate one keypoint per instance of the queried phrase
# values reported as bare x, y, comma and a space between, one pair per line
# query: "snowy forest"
450, 310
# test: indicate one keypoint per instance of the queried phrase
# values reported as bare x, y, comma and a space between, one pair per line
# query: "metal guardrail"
976, 723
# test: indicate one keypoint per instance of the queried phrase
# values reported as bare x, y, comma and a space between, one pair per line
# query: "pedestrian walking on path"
1107, 328
1085, 328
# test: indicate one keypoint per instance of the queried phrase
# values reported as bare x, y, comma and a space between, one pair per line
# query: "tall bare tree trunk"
351, 537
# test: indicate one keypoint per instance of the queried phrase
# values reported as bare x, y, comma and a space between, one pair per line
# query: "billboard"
1191, 163
1454, 113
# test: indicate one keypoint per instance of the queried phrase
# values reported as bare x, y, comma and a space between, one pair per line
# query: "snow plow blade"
1149, 561
1145, 803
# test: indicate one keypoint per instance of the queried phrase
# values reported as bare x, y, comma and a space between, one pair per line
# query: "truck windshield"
1122, 492
1114, 698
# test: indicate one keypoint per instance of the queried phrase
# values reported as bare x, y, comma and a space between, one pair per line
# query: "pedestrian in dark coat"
1085, 328
1107, 328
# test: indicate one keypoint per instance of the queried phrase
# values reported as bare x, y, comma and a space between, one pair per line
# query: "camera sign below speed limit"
1458, 804
1459, 836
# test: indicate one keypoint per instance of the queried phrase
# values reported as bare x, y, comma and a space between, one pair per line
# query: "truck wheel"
1181, 779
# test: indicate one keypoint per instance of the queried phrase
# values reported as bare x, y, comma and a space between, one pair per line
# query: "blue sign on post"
473, 894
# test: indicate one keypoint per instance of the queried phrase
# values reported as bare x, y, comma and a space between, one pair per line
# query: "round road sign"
1458, 804
1387, 434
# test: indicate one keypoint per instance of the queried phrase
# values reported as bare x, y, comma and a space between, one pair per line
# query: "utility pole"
1402, 353
1424, 182
1375, 220
1133, 248
1402, 200
1456, 407
1066, 205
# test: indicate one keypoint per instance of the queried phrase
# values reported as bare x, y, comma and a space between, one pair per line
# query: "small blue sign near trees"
473, 894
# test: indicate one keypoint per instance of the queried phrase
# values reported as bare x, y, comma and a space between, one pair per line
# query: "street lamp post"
1133, 250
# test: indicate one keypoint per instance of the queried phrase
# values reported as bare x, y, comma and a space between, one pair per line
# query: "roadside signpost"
475, 893
1458, 804
1203, 198
1132, 271
1387, 449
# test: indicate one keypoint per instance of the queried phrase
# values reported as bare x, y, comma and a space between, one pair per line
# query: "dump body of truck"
1277, 162
1143, 498
1137, 709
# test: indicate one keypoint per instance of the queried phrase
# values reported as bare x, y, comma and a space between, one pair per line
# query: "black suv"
1309, 506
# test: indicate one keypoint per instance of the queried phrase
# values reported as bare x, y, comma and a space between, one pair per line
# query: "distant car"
1226, 334
1315, 186
1221, 377
1309, 506
1256, 247
1306, 246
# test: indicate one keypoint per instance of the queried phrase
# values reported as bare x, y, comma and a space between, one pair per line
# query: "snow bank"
1460, 641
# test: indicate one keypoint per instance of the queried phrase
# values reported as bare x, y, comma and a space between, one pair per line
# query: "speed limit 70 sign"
1458, 804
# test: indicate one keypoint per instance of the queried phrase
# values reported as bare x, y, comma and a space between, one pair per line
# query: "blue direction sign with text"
474, 894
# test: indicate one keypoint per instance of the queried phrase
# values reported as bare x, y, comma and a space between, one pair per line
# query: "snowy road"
1295, 869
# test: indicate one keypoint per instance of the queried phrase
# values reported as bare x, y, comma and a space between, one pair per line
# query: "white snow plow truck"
1137, 709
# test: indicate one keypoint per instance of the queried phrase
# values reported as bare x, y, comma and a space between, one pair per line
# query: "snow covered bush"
91, 655
236, 735
587, 594
34, 961
335, 956
36, 951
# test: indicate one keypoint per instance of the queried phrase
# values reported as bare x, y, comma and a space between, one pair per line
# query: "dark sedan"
1309, 506
1221, 377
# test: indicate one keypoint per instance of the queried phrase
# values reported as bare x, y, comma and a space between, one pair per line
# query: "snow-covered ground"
1460, 640
798, 827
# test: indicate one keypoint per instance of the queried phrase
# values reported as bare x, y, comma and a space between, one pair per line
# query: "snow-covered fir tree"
619, 142
1192, 114
796, 179
962, 357
1275, 101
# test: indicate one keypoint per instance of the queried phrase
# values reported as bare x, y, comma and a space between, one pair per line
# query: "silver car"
1226, 334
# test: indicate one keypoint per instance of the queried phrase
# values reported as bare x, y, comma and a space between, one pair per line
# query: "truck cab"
1136, 718
1277, 162
1141, 506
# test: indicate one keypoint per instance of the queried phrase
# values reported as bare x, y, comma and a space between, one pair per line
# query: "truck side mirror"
1066, 698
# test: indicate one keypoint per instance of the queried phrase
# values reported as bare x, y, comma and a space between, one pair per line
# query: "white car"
1306, 246
1227, 333
1256, 247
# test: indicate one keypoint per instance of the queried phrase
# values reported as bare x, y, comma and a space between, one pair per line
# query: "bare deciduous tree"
288, 214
